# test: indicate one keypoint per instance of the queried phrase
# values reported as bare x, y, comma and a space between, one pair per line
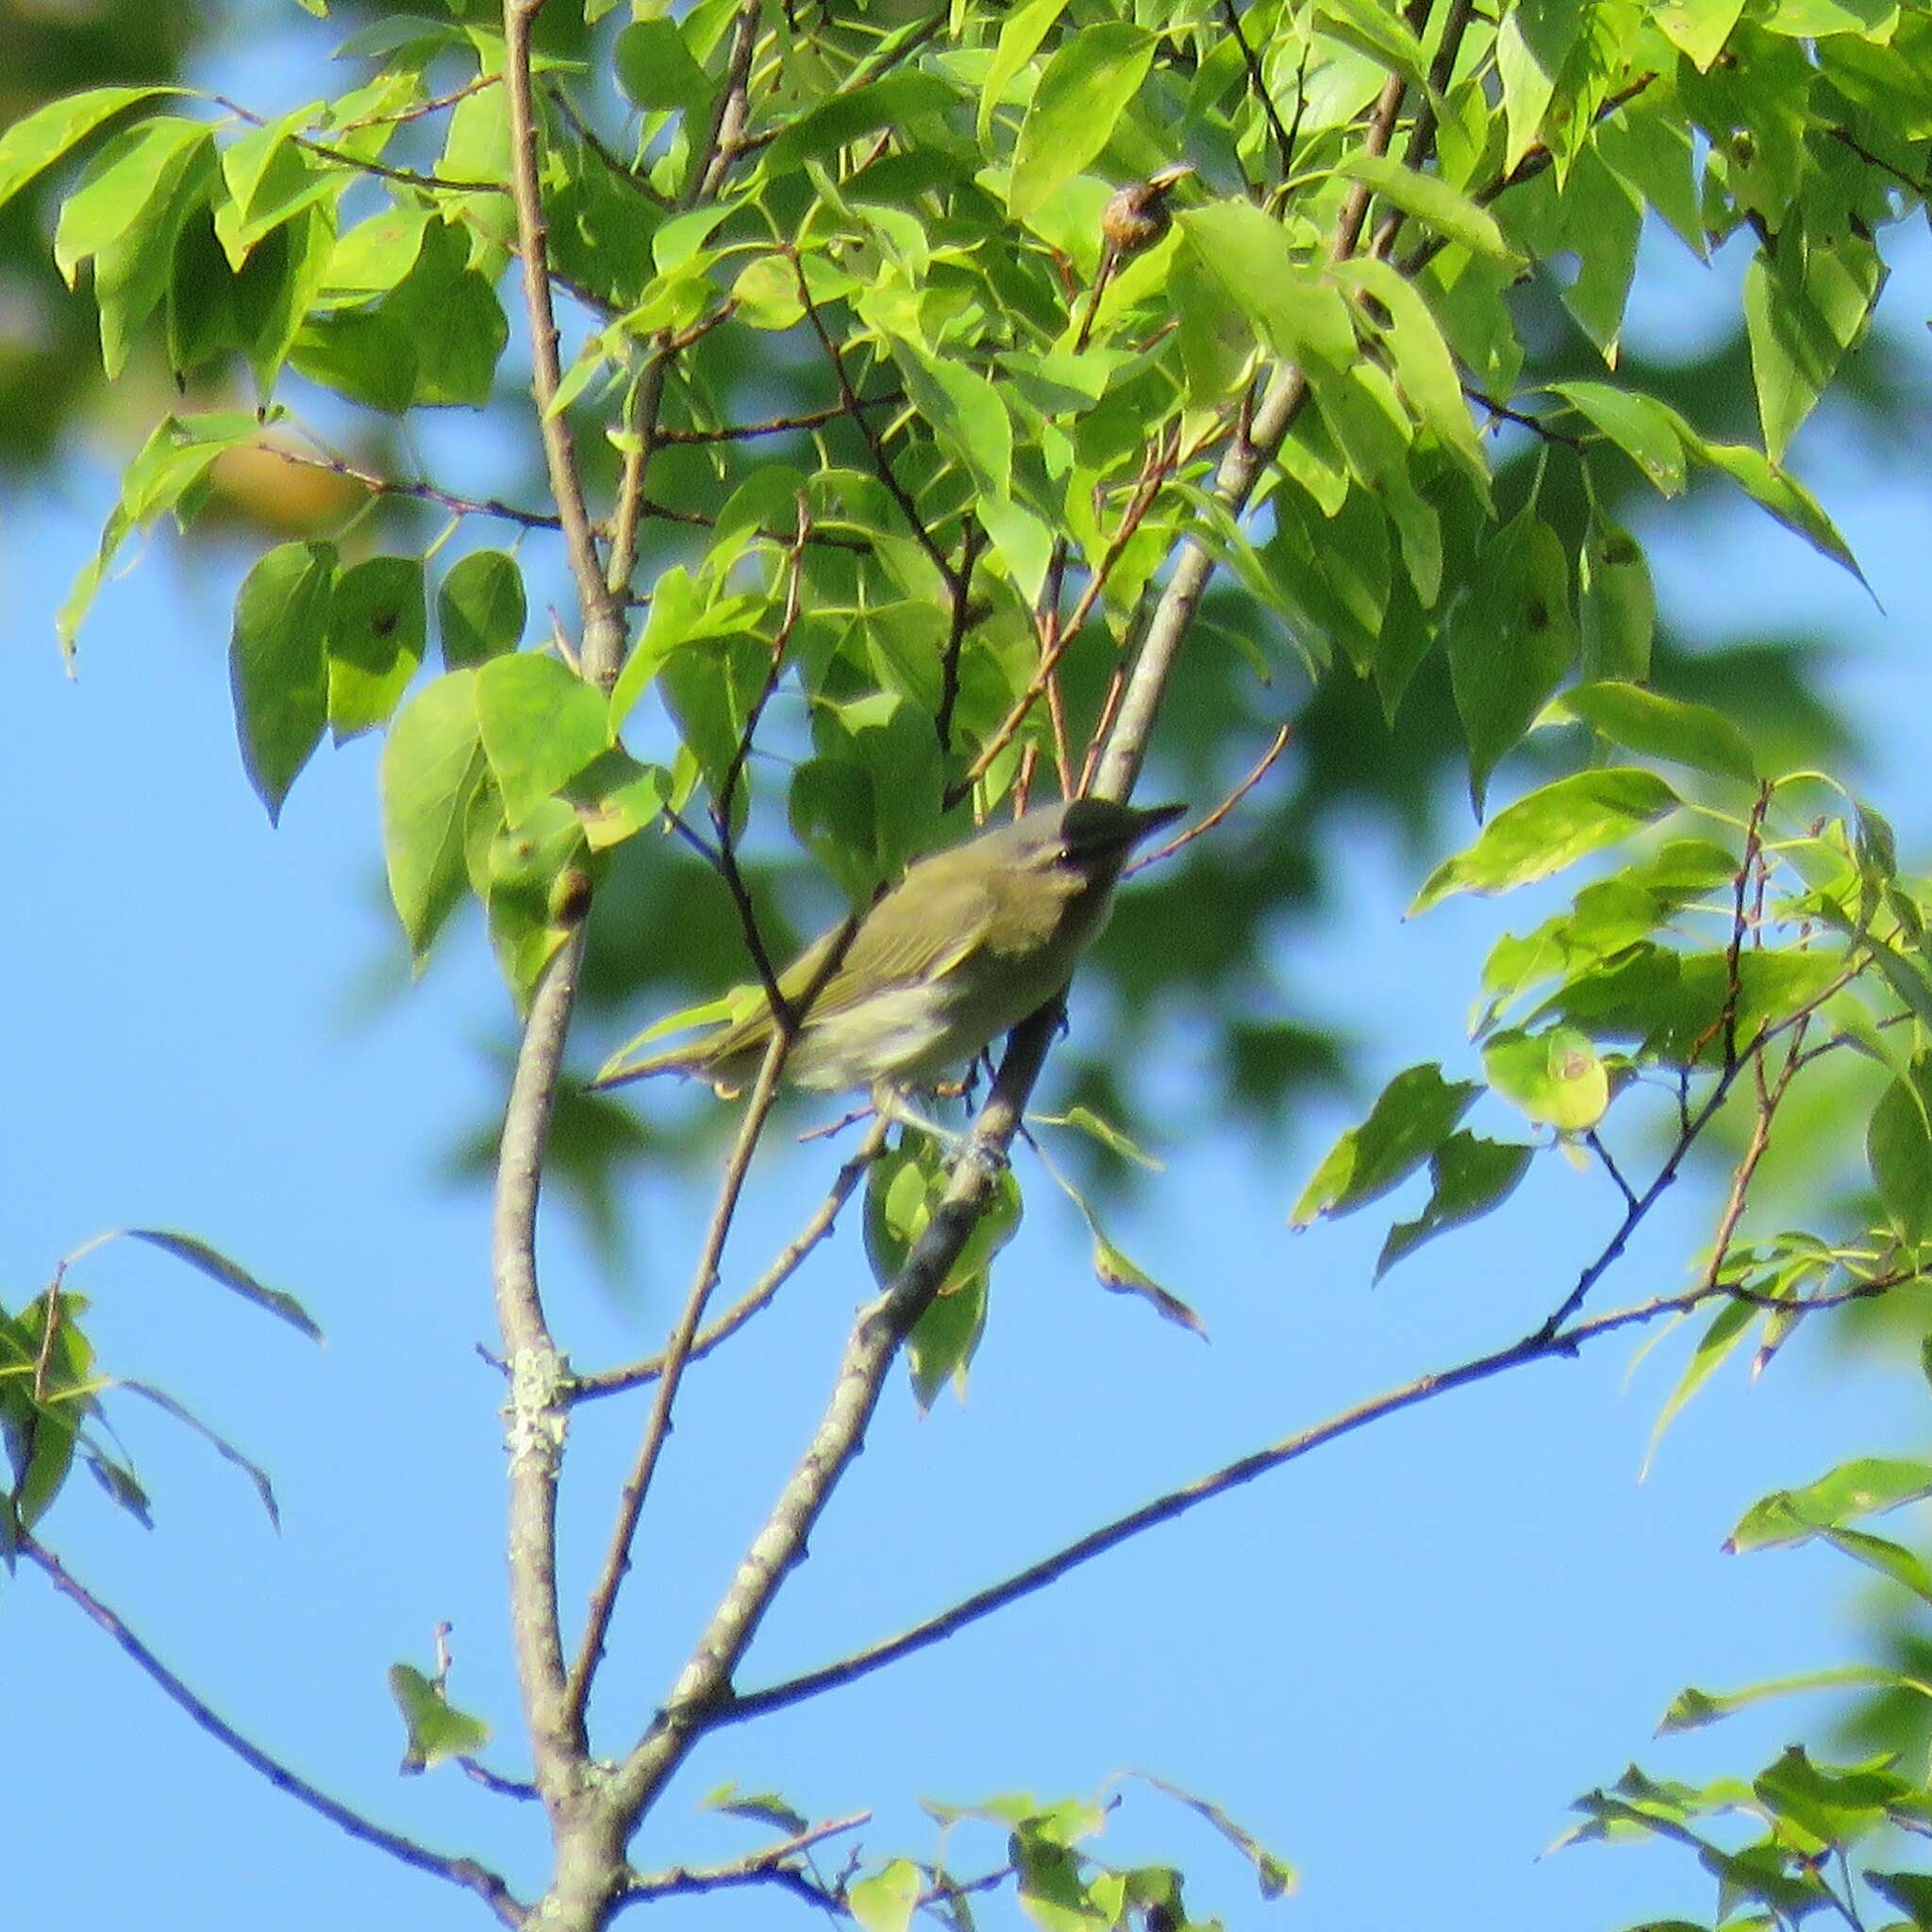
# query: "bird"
975, 939
1136, 216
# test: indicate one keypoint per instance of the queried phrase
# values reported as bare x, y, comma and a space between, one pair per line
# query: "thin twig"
417, 492
779, 425
959, 624
536, 1416
1534, 425
614, 166
1595, 1144
1177, 1501
1901, 175
1221, 811
601, 609
795, 582
435, 104
764, 1290
754, 1868
1692, 1125
481, 1773
723, 861
363, 164
875, 442
871, 1347
1535, 161
677, 1354
785, 1023
464, 1873
1258, 85
1154, 473
712, 157
537, 1372
1422, 134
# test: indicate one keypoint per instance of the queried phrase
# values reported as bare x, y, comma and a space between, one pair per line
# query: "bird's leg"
893, 1104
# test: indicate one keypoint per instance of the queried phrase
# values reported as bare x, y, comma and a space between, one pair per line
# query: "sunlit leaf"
1412, 1117
1550, 829
436, 1729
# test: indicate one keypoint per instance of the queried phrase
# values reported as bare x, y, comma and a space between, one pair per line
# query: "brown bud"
570, 896
1137, 215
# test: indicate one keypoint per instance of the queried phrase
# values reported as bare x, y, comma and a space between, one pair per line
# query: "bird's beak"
1154, 816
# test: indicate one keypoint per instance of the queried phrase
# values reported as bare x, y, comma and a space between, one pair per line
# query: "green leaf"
1083, 89
1549, 829
1888, 1559
1644, 429
1025, 28
1086, 1120
964, 412
1556, 1077
230, 1274
1698, 29
480, 609
372, 257
278, 666
118, 1479
761, 1808
1471, 1176
1808, 20
1435, 202
1783, 497
1865, 1487
889, 102
1275, 1876
528, 865
654, 68
436, 1729
1411, 1117
134, 171
1378, 31
1718, 1342
39, 140
1803, 307
1424, 370
1647, 722
884, 1900
377, 625
1692, 1708
1510, 641
1120, 1274
1910, 1891
944, 1339
1616, 603
540, 724
1898, 1145
1302, 315
433, 766
1533, 43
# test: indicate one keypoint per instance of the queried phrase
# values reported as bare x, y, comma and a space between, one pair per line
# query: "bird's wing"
905, 937
892, 946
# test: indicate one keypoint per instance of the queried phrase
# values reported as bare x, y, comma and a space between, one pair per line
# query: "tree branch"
756, 1867
464, 1873
760, 1295
537, 1372
1232, 1475
676, 1354
603, 612
704, 1686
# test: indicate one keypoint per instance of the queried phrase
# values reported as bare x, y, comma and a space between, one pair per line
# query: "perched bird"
970, 943
1136, 216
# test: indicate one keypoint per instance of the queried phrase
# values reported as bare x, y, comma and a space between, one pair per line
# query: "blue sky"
1394, 1662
